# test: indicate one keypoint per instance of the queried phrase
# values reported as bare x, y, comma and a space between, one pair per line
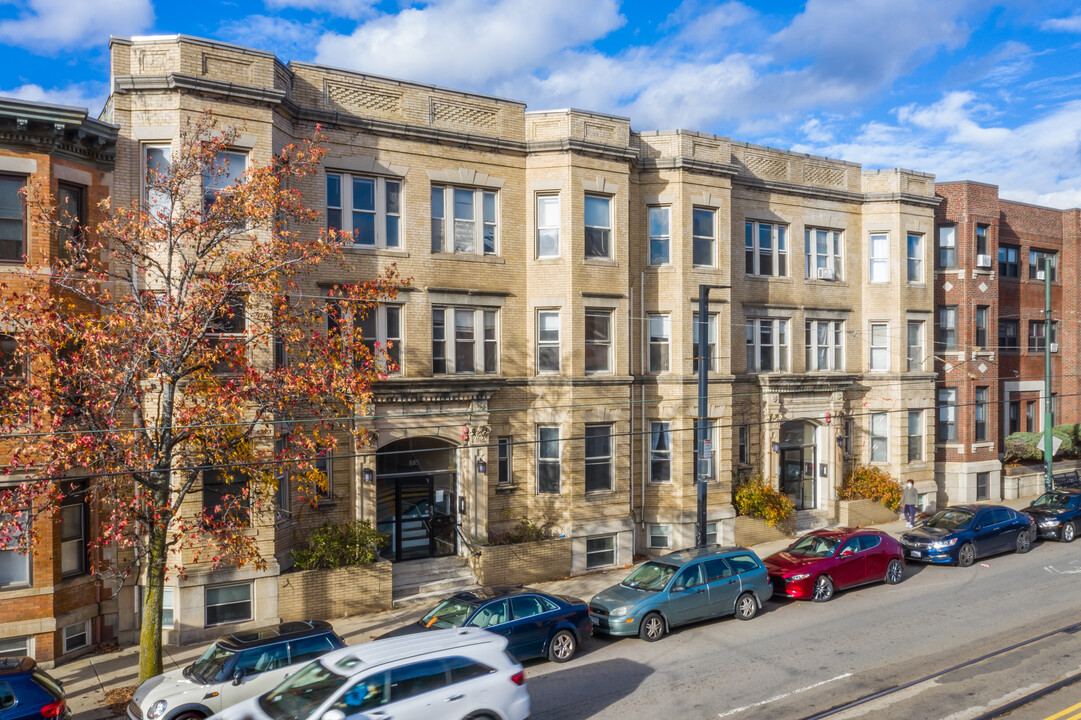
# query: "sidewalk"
86, 679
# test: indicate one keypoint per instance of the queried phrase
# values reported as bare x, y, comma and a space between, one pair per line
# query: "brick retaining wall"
752, 531
523, 563
328, 594
857, 513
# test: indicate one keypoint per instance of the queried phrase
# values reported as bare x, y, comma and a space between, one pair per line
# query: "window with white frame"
505, 444
228, 604
743, 451
660, 335
660, 235
464, 220
168, 607
880, 441
711, 533
600, 551
823, 255
598, 458
660, 452
548, 224
380, 329
548, 352
766, 249
227, 328
880, 257
703, 236
157, 161
225, 171
767, 345
76, 636
548, 460
980, 414
947, 415
915, 435
16, 646
1035, 263
282, 495
825, 348
659, 536
880, 347
915, 258
598, 354
915, 346
847, 436
12, 218
1038, 337
367, 208
14, 561
711, 342
73, 537
71, 206
464, 341
324, 464
947, 246
598, 226
947, 328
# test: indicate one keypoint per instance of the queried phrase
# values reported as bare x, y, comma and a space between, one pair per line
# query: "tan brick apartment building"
50, 605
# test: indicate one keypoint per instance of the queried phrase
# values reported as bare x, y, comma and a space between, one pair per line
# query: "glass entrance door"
798, 476
419, 514
414, 515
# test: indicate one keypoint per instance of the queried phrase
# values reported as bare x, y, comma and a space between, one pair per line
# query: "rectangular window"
73, 539
157, 162
660, 332
824, 345
983, 319
548, 224
660, 452
711, 344
981, 239
455, 214
880, 423
980, 413
1014, 419
225, 496
947, 415
324, 463
915, 346
462, 352
228, 327
1030, 416
915, 258
880, 258
71, 200
947, 246
847, 437
598, 327
548, 460
76, 636
228, 604
1009, 265
598, 226
380, 329
548, 354
282, 495
1035, 264
506, 446
983, 485
168, 607
660, 235
12, 219
14, 562
822, 254
880, 347
1037, 335
600, 551
743, 453
703, 236
766, 249
368, 208
767, 345
598, 458
16, 647
11, 360
659, 536
947, 328
224, 173
1009, 332
710, 465
915, 435
711, 533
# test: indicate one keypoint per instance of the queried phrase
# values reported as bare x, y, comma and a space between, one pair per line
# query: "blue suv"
28, 692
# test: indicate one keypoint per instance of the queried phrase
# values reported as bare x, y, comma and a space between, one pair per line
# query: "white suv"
445, 674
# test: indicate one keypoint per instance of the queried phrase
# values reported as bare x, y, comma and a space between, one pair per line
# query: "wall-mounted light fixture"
482, 466
368, 475
776, 447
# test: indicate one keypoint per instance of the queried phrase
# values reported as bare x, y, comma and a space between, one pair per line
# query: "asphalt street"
799, 659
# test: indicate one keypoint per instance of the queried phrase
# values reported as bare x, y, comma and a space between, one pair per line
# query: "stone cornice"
905, 199
443, 389
787, 188
583, 147
688, 163
125, 84
58, 130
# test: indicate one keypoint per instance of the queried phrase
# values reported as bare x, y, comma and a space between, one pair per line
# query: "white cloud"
289, 39
49, 26
1066, 24
89, 95
339, 8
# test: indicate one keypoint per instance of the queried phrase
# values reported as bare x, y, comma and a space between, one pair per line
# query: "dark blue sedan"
961, 533
1057, 514
535, 624
29, 693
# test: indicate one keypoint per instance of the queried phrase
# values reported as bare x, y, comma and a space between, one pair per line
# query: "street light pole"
703, 358
1048, 450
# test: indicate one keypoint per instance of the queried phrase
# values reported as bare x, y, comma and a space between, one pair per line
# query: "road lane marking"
783, 696
1060, 713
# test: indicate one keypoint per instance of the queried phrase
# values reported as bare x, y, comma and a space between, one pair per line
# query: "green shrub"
341, 545
871, 483
1024, 446
525, 531
754, 498
1069, 440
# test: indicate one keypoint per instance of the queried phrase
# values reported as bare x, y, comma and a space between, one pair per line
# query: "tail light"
54, 710
518, 678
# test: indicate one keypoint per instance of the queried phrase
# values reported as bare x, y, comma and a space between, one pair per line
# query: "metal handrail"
474, 549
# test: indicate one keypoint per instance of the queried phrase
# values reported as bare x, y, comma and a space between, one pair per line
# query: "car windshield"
448, 614
210, 664
301, 695
651, 576
1052, 500
813, 546
949, 519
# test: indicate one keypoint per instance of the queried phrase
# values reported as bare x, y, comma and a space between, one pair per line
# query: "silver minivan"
453, 674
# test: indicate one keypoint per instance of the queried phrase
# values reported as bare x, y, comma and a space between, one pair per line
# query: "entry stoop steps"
808, 520
418, 581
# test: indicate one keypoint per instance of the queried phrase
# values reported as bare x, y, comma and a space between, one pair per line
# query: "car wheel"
562, 646
652, 628
823, 588
482, 716
1024, 542
966, 555
190, 716
894, 572
746, 606
1068, 532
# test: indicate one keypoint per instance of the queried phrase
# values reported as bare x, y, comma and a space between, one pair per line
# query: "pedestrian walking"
909, 498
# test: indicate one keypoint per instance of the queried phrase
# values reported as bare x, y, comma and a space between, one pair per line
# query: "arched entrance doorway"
798, 463
416, 498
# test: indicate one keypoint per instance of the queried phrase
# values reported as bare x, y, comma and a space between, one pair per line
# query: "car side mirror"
978, 527
238, 676
334, 714
678, 588
847, 551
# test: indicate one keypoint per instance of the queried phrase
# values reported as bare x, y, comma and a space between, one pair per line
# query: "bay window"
464, 220
766, 249
823, 257
368, 208
464, 341
767, 345
824, 345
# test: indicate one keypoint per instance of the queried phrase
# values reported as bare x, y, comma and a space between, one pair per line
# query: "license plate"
915, 553
595, 621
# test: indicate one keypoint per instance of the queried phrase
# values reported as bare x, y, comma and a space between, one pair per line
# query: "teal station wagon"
682, 587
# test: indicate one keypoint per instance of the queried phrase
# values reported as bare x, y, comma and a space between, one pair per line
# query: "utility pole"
1048, 450
704, 453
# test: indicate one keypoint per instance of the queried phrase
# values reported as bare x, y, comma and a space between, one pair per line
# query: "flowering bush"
871, 483
754, 498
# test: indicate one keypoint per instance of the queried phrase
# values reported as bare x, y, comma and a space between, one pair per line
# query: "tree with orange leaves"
176, 339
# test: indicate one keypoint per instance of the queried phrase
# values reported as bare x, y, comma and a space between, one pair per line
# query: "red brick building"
990, 331
50, 605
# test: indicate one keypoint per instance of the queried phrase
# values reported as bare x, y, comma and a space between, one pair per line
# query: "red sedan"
831, 559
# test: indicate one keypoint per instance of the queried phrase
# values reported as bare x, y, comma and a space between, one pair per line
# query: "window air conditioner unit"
826, 274
1054, 347
983, 261
1039, 274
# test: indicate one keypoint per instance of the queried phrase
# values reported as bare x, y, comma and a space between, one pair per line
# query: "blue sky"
976, 89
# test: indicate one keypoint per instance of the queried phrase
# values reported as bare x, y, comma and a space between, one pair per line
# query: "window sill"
326, 505
983, 445
825, 283
362, 250
767, 278
506, 488
950, 446
599, 493
601, 262
470, 257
